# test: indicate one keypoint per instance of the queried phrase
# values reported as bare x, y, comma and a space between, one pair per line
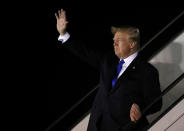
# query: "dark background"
92, 25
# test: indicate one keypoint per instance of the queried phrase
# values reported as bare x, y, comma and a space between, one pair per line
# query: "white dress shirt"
128, 60
64, 38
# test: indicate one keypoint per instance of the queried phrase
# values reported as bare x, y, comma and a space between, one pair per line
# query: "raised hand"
135, 113
61, 21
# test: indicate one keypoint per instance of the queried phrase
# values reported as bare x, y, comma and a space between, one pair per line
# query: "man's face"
122, 45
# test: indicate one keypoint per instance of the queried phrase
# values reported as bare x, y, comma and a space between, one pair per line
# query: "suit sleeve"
151, 90
79, 48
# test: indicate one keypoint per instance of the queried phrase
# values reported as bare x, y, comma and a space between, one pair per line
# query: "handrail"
162, 30
74, 106
66, 113
171, 86
165, 112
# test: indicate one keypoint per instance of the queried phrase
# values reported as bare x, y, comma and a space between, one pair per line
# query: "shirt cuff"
64, 38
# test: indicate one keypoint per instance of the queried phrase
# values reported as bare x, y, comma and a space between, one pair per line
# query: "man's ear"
132, 44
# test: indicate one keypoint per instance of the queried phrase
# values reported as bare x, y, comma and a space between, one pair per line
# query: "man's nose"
115, 43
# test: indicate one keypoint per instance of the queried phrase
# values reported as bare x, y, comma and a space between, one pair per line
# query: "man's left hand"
135, 113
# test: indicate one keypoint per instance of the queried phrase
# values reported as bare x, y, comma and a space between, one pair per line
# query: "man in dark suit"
127, 84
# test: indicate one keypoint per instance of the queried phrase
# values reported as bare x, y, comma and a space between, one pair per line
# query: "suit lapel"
112, 73
132, 66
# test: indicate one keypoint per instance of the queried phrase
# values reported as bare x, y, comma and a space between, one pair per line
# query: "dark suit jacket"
138, 84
